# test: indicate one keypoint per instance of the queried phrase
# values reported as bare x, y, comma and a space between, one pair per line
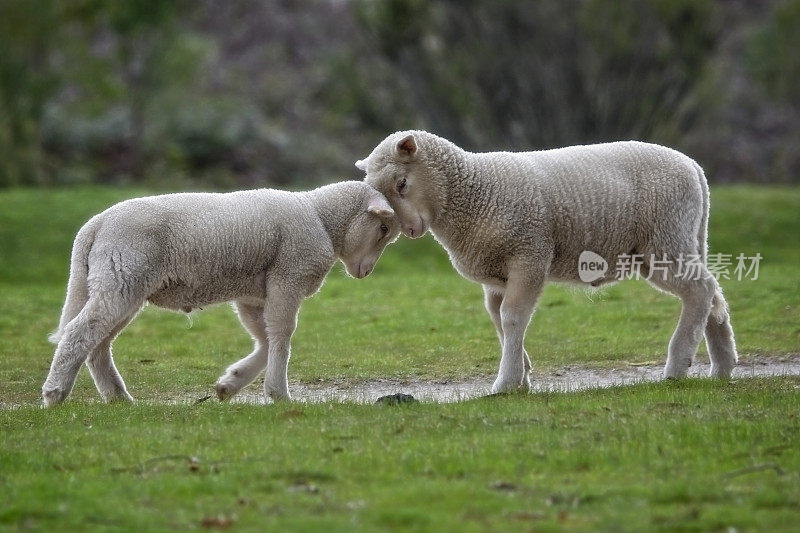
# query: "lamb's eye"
401, 185
384, 229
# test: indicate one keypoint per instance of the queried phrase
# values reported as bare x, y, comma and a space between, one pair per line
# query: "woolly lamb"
265, 250
512, 221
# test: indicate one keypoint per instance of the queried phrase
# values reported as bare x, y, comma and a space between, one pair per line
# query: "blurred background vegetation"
224, 94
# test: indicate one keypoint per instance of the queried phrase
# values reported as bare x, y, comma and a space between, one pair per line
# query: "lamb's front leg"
245, 370
493, 298
516, 309
280, 317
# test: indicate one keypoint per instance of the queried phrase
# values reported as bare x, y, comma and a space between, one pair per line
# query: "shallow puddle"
568, 378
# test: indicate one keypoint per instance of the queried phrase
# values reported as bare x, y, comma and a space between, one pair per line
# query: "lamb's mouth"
359, 270
364, 269
418, 229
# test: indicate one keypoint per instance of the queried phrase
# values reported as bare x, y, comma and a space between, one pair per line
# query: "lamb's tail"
702, 231
77, 287
719, 307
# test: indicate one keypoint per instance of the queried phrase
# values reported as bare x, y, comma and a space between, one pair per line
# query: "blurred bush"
237, 94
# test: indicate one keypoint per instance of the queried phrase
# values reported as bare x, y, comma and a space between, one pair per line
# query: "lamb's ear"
407, 146
361, 164
379, 207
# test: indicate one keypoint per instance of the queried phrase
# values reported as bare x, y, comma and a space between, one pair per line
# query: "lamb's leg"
101, 366
719, 338
519, 301
696, 296
81, 336
493, 298
245, 370
280, 317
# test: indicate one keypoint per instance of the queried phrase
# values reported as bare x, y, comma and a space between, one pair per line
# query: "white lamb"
265, 250
512, 221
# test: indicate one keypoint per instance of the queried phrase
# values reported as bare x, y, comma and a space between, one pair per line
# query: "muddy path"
563, 379
568, 378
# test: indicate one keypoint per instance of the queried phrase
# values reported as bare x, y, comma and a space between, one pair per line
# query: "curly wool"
264, 249
559, 203
513, 220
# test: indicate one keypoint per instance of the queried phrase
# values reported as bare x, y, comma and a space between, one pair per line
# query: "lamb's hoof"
674, 374
51, 397
508, 386
224, 392
120, 398
719, 372
279, 396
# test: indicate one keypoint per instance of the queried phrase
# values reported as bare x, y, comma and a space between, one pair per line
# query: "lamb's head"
373, 228
397, 169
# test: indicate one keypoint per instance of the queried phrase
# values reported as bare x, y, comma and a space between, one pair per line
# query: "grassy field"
693, 456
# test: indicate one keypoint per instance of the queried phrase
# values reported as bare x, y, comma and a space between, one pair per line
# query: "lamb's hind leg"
245, 370
101, 366
82, 335
696, 295
493, 298
719, 338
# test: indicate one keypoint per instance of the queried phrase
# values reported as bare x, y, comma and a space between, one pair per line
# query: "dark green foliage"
235, 94
520, 75
27, 82
773, 56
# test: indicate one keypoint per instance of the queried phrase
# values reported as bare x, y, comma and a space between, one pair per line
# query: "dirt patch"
564, 379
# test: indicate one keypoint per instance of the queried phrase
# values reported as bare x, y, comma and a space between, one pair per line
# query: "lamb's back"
206, 247
206, 226
604, 198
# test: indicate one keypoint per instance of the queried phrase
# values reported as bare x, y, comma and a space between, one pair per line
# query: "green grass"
695, 455
690, 456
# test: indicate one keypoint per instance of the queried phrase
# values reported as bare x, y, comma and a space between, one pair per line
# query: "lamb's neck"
336, 209
464, 195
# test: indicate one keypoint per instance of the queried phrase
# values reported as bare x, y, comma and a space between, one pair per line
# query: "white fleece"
512, 221
265, 250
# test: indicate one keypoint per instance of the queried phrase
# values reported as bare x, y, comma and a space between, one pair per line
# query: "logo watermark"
592, 267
